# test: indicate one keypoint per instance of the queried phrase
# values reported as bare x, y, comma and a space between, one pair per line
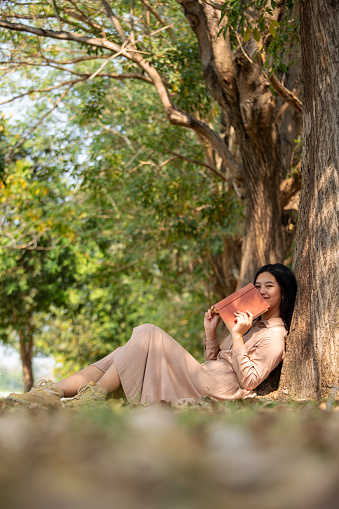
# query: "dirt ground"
258, 454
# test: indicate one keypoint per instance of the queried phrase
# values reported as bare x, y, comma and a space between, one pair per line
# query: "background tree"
35, 270
311, 367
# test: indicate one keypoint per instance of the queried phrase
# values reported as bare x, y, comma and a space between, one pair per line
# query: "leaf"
223, 13
283, 67
262, 25
272, 30
275, 23
273, 4
223, 30
256, 34
242, 23
247, 34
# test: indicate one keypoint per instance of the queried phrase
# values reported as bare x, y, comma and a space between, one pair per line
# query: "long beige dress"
153, 367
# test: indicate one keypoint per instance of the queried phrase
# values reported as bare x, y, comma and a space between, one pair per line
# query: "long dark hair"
288, 286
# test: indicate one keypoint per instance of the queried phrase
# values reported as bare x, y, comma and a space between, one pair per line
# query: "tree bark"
311, 367
26, 347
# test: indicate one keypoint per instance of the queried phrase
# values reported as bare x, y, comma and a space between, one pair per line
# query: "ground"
247, 454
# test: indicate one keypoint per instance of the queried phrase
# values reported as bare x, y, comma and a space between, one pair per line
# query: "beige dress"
153, 367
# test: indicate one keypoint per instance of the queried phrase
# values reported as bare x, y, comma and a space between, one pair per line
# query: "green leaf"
275, 23
283, 67
273, 4
223, 13
256, 34
222, 30
242, 23
272, 30
247, 34
262, 25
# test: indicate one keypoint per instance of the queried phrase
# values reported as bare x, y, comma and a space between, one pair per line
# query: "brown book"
247, 298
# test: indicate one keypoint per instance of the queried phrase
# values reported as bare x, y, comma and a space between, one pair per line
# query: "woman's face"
269, 289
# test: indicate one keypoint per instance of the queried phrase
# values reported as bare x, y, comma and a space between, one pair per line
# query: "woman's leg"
110, 381
71, 384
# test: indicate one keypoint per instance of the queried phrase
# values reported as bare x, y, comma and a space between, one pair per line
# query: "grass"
242, 454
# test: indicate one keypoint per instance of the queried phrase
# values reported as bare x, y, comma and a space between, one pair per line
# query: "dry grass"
243, 455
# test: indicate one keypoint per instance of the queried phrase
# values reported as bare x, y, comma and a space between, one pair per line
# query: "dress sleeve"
211, 349
253, 367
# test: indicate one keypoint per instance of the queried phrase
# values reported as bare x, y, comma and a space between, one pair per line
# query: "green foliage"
2, 151
237, 12
277, 39
35, 268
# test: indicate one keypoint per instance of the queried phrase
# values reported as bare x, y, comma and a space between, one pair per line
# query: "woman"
153, 367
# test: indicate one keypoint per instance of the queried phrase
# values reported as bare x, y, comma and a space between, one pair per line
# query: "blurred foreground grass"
237, 455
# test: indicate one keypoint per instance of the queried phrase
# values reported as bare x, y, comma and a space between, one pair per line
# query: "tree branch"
116, 76
56, 10
53, 16
215, 5
41, 90
177, 117
114, 20
81, 16
153, 11
174, 115
200, 163
61, 35
287, 95
157, 16
32, 244
116, 132
131, 15
290, 186
8, 156
29, 247
75, 60
215, 52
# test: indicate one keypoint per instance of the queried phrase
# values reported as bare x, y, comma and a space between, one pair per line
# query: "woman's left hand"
243, 322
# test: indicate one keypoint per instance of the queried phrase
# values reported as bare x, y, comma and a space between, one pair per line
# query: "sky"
10, 360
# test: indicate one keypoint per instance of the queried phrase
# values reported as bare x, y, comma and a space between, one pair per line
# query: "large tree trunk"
311, 367
264, 240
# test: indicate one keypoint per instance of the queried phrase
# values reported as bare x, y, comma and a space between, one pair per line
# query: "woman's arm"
252, 369
211, 322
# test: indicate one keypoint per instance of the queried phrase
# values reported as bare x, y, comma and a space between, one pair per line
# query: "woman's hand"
211, 322
243, 323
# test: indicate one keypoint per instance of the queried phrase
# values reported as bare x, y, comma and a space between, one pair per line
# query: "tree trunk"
311, 367
260, 148
26, 347
264, 240
243, 93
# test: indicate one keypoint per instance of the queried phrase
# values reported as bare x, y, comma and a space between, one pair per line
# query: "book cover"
247, 298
